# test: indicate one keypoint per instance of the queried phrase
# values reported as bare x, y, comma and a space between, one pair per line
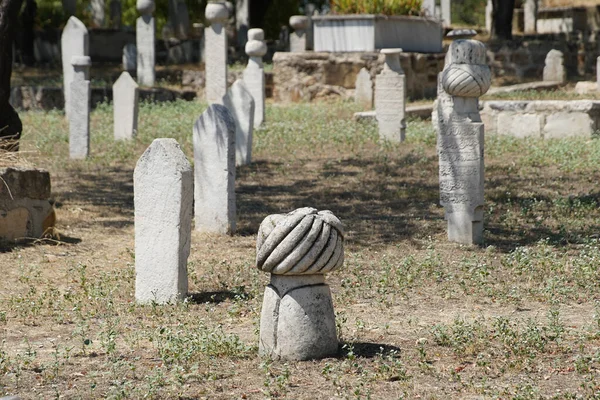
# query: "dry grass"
570, 3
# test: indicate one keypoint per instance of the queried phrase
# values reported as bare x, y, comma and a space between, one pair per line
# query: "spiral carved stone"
466, 80
303, 242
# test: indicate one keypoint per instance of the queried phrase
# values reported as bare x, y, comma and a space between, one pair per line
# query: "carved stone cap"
256, 34
303, 242
256, 48
299, 22
145, 6
461, 34
216, 12
467, 74
81, 61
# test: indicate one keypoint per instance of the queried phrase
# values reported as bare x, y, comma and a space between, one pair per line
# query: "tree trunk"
28, 32
10, 123
502, 16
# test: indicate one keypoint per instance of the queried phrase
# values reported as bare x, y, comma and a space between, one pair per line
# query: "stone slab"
586, 87
79, 120
240, 104
145, 45
540, 85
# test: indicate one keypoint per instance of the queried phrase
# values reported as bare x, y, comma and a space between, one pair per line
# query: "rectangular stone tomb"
548, 119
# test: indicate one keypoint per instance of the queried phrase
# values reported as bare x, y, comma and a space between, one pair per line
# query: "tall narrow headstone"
129, 57
97, 8
79, 116
241, 105
74, 42
363, 93
598, 73
489, 9
297, 320
390, 98
145, 38
254, 74
446, 12
554, 70
125, 107
461, 139
298, 38
214, 171
215, 51
163, 187
530, 15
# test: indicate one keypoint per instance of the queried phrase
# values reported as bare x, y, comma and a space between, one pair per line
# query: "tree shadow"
218, 296
366, 349
8, 246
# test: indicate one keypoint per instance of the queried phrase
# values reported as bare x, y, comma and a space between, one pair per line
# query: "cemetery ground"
418, 317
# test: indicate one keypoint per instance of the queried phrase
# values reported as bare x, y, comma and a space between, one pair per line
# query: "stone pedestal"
215, 51
74, 42
554, 70
145, 43
79, 116
254, 74
390, 98
297, 318
298, 38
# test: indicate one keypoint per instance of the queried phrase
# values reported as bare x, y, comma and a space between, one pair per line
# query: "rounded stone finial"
216, 12
256, 48
299, 22
81, 61
256, 34
461, 34
303, 242
467, 74
145, 6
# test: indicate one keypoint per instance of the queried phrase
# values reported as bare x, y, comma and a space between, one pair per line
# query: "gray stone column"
297, 319
74, 41
79, 116
254, 74
145, 43
530, 9
298, 38
461, 139
390, 98
215, 51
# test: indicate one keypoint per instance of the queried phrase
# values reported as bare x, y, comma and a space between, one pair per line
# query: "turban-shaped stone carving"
466, 80
303, 242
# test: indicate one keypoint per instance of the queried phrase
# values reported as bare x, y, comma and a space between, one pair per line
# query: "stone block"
568, 124
520, 125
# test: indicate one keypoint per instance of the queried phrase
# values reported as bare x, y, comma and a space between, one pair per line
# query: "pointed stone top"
256, 34
391, 51
216, 116
163, 154
74, 23
216, 12
125, 81
239, 87
81, 61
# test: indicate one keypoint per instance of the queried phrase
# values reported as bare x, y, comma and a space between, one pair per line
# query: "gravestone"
297, 320
129, 57
460, 141
363, 94
390, 98
163, 187
530, 15
125, 107
214, 171
598, 73
554, 70
145, 38
298, 38
74, 42
241, 105
489, 9
446, 12
97, 8
254, 73
215, 51
79, 116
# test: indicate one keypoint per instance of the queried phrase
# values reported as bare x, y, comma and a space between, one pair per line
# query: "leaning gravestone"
554, 70
79, 116
215, 48
214, 171
73, 42
145, 38
125, 107
297, 320
254, 74
129, 57
163, 187
241, 105
363, 94
298, 37
390, 98
460, 141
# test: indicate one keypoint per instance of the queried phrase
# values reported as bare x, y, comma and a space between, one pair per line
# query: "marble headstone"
215, 52
125, 107
554, 70
390, 98
254, 73
74, 42
363, 94
240, 104
79, 116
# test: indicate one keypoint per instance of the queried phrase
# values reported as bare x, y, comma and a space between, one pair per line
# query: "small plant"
386, 7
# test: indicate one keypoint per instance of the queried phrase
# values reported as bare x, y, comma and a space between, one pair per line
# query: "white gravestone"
298, 37
79, 116
129, 57
363, 93
489, 8
530, 15
241, 105
297, 320
73, 42
554, 70
163, 186
97, 8
461, 139
125, 107
214, 171
254, 74
390, 98
145, 42
215, 50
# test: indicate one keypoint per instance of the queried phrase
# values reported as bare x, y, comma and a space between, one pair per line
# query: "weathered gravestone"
363, 94
298, 37
254, 74
129, 57
73, 42
530, 15
240, 104
214, 171
215, 51
297, 320
163, 187
125, 107
79, 116
145, 38
97, 8
460, 141
554, 70
390, 98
